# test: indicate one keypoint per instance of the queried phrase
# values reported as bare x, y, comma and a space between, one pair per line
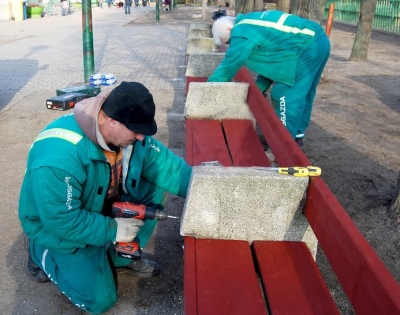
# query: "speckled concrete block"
203, 65
200, 25
200, 32
241, 203
218, 100
200, 45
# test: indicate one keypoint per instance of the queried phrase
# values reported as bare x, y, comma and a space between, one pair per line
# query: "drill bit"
172, 217
161, 215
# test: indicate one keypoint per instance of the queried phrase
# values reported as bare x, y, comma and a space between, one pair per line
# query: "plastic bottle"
109, 82
95, 82
108, 76
94, 77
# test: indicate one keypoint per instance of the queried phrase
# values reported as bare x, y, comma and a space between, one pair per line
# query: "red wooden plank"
189, 276
205, 141
371, 288
226, 280
284, 148
244, 144
194, 79
189, 141
291, 279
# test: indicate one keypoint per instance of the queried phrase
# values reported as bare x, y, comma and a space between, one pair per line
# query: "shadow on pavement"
24, 69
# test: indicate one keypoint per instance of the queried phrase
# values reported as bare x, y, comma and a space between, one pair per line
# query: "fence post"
330, 19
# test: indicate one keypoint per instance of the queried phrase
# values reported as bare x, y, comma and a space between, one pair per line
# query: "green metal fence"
387, 14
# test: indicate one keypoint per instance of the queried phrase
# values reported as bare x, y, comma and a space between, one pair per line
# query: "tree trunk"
309, 9
246, 6
283, 5
364, 29
395, 205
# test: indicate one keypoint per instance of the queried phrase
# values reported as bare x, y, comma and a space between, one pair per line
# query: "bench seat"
231, 142
222, 276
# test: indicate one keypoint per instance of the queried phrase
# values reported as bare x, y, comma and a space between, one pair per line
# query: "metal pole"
158, 10
87, 36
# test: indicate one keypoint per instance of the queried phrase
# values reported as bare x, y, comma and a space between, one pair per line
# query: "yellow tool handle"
314, 171
295, 171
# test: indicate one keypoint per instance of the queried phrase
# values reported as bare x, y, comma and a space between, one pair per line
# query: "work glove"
127, 229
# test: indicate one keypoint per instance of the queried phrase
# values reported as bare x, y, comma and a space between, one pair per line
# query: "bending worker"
285, 50
77, 167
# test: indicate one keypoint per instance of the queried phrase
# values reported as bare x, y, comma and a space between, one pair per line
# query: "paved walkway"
38, 56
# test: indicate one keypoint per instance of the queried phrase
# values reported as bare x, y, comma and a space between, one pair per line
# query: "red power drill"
121, 209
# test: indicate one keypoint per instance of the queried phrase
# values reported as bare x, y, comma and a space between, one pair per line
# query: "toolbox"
65, 101
84, 89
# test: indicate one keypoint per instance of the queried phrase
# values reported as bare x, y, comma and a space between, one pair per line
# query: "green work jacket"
67, 178
269, 43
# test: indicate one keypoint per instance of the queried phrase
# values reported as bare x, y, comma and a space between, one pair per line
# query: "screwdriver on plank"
298, 171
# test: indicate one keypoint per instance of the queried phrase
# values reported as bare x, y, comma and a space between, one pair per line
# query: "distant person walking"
109, 2
128, 4
167, 3
64, 7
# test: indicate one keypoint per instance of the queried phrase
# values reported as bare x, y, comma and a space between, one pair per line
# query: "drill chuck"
160, 215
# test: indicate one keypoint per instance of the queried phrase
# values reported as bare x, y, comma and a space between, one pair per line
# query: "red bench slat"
367, 282
291, 279
244, 144
205, 141
189, 276
226, 280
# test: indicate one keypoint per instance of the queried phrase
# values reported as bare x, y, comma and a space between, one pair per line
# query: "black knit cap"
132, 104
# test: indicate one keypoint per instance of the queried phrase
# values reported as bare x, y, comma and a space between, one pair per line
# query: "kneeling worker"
77, 167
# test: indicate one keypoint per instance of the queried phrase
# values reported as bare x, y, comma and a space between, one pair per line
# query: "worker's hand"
127, 229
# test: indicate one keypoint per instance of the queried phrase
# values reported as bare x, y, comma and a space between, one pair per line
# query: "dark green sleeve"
168, 171
236, 56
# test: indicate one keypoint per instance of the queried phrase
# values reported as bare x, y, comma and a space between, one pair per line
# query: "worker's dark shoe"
299, 142
142, 268
35, 272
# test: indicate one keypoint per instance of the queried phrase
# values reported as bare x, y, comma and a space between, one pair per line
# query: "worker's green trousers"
293, 104
88, 277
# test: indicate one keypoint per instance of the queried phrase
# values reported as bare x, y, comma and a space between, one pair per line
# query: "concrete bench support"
241, 203
200, 45
201, 66
217, 101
